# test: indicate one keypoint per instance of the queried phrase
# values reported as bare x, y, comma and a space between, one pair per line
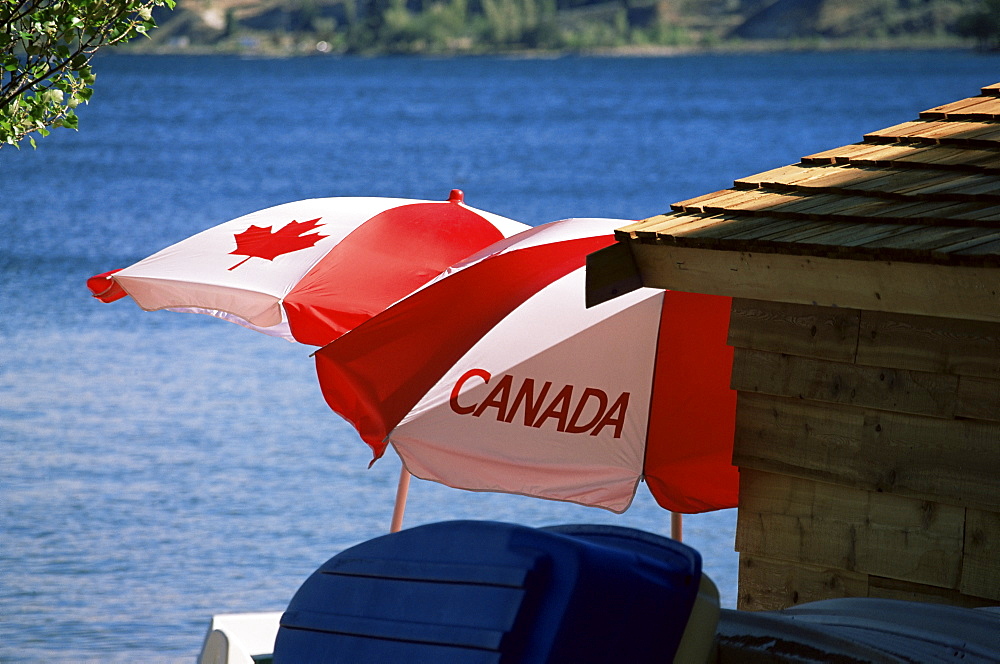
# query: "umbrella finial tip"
456, 196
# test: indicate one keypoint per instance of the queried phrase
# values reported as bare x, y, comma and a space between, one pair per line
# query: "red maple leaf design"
261, 242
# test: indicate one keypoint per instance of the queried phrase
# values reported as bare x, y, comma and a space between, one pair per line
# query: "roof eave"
933, 289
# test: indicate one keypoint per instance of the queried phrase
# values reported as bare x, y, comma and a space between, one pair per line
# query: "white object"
238, 638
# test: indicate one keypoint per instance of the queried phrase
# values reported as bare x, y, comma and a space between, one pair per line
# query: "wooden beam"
971, 293
610, 272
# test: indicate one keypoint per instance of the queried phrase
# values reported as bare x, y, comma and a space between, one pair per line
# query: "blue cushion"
481, 591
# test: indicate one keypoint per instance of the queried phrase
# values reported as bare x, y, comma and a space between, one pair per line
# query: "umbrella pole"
676, 526
401, 490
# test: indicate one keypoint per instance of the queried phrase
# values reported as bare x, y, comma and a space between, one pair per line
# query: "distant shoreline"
313, 48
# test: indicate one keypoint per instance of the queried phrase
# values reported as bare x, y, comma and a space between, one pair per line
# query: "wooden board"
934, 238
980, 108
959, 186
873, 153
978, 186
677, 223
971, 133
974, 242
787, 175
818, 233
745, 227
894, 182
915, 592
750, 201
903, 130
767, 585
845, 179
929, 343
980, 571
797, 329
853, 234
987, 248
727, 199
955, 461
808, 440
979, 398
826, 525
939, 112
942, 156
896, 390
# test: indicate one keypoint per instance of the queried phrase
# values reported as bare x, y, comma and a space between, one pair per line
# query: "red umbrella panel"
496, 377
309, 270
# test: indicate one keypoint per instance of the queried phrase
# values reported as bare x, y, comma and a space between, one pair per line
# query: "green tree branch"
45, 51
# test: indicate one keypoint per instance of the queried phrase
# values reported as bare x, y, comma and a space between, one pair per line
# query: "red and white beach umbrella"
310, 270
496, 377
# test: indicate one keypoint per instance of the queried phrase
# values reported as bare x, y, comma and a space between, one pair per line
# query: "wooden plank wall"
869, 453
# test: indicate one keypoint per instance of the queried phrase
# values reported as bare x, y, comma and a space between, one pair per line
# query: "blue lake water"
158, 468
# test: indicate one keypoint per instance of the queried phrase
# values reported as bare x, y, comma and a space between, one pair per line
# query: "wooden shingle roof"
925, 191
906, 220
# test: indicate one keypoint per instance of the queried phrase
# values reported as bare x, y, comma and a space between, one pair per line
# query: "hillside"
475, 26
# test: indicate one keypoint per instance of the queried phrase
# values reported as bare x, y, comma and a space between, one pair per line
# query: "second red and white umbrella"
496, 377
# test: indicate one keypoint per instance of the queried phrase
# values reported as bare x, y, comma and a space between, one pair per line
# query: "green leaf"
44, 45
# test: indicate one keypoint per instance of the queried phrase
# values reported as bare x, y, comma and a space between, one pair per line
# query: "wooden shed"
866, 322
